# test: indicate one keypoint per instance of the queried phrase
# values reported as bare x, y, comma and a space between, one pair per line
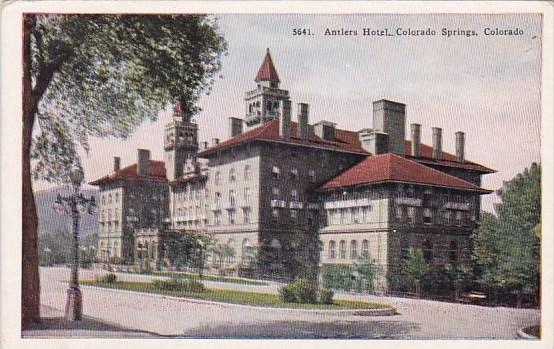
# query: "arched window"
453, 251
116, 197
332, 249
428, 251
353, 249
275, 251
311, 175
365, 249
342, 249
110, 199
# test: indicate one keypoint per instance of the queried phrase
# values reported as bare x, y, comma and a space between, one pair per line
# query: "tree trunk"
30, 281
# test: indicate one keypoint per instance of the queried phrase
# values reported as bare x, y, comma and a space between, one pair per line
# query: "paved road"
167, 316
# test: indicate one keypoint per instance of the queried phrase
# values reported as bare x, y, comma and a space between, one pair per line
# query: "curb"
521, 334
343, 312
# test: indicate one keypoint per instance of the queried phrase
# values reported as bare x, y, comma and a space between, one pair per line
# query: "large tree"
100, 75
507, 245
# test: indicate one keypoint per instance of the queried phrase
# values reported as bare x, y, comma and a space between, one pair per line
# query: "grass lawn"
236, 297
205, 277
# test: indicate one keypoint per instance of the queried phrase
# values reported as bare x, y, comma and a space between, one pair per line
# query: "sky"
486, 86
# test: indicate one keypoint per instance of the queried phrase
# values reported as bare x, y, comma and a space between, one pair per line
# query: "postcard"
243, 173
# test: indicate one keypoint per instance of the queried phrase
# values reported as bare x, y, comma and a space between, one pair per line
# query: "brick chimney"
437, 143
416, 139
303, 120
284, 120
235, 127
460, 145
143, 168
390, 117
374, 142
116, 163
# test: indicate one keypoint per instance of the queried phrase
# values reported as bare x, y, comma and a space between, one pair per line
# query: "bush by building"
300, 291
180, 284
326, 296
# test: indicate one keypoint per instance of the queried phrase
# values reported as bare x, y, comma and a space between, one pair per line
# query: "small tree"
416, 268
459, 276
368, 272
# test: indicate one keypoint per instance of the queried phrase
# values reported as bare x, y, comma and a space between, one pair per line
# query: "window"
275, 193
247, 172
275, 214
342, 216
332, 250
247, 195
110, 199
427, 216
246, 215
447, 217
355, 215
398, 211
294, 215
231, 216
342, 249
365, 214
116, 197
232, 176
458, 218
294, 195
103, 199
217, 178
276, 172
411, 214
217, 200
294, 174
217, 218
365, 249
404, 249
311, 176
353, 249
116, 214
247, 252
109, 215
232, 201
427, 251
453, 251
230, 257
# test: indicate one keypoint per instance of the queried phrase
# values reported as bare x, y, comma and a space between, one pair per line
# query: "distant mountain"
51, 222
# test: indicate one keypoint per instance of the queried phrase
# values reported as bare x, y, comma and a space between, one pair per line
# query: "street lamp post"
75, 204
201, 263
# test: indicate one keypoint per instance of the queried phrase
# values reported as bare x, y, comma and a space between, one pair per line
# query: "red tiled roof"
448, 160
346, 141
157, 172
267, 70
394, 168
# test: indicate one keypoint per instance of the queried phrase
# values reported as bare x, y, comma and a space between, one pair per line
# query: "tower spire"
267, 71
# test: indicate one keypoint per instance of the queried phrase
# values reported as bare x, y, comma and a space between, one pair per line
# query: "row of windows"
353, 215
276, 194
233, 175
293, 174
332, 249
232, 197
279, 213
232, 216
428, 250
408, 214
109, 198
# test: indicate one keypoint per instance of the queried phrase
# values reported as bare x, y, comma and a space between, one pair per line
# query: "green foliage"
416, 268
367, 272
135, 64
300, 291
56, 248
180, 284
507, 245
189, 250
326, 296
361, 276
337, 277
109, 278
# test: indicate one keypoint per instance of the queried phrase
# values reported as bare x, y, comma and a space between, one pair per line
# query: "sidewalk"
54, 325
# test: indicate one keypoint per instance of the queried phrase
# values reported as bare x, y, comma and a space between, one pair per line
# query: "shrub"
109, 278
289, 293
326, 296
301, 291
179, 284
